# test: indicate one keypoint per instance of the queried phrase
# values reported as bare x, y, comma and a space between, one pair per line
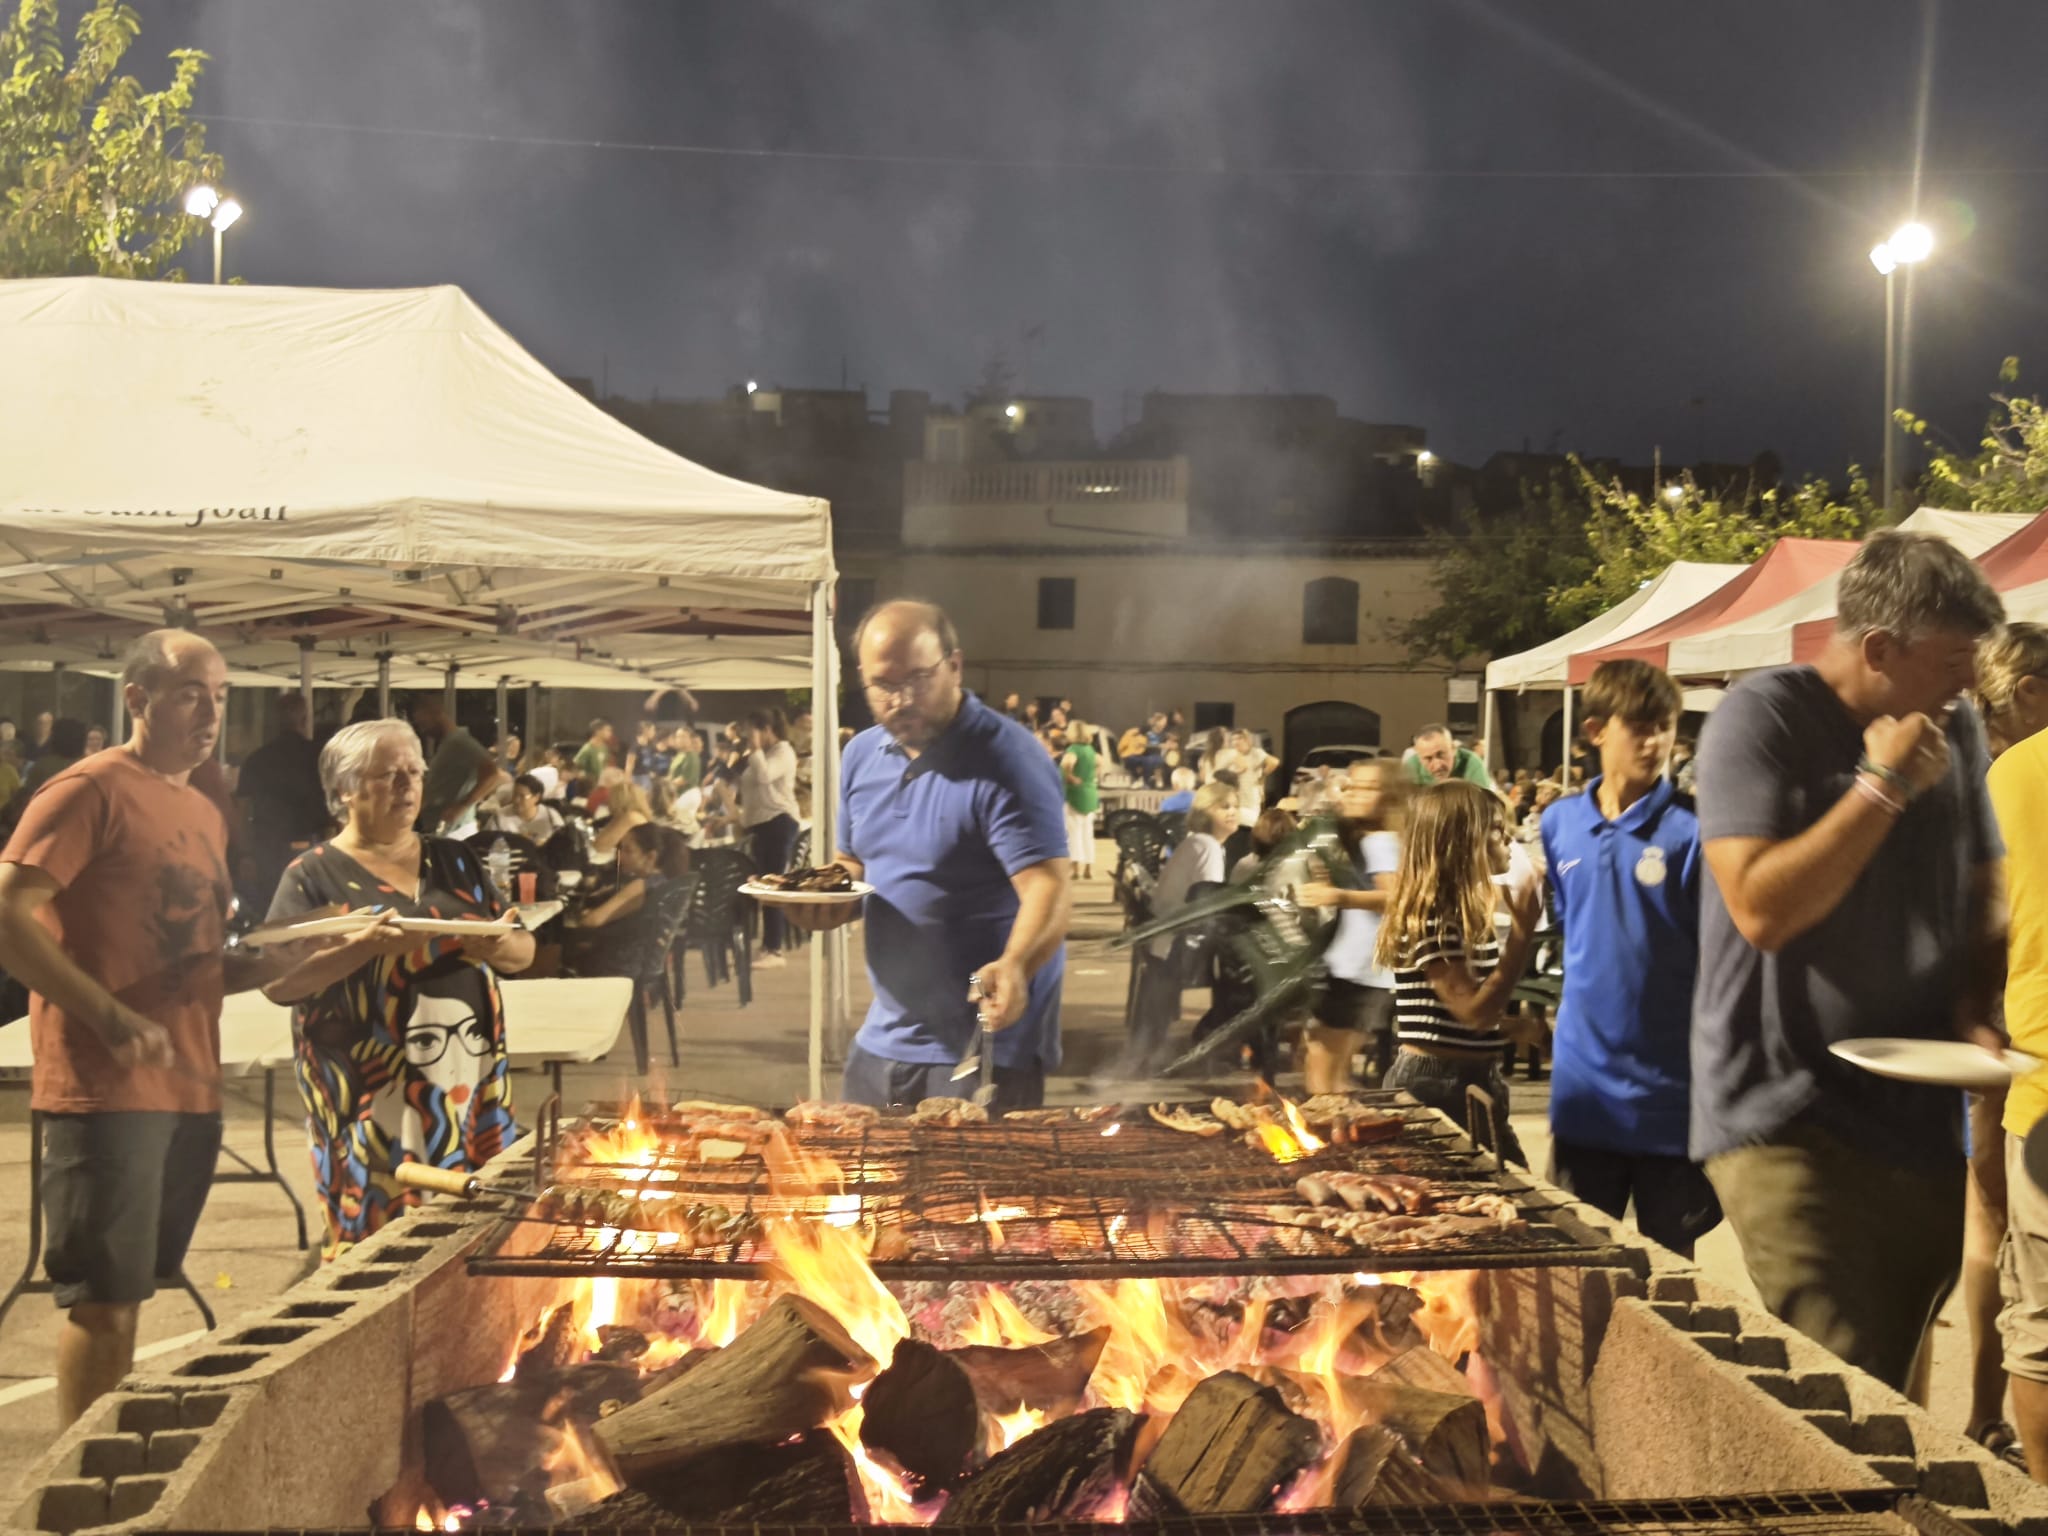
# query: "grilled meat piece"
826, 877
820, 1115
1364, 1191
943, 1111
1194, 1123
1243, 1117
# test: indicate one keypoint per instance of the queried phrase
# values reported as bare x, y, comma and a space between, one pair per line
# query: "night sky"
1598, 226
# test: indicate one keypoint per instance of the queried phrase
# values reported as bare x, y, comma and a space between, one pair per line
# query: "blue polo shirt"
939, 836
1628, 898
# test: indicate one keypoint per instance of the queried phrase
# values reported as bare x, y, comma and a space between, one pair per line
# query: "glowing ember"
1111, 1130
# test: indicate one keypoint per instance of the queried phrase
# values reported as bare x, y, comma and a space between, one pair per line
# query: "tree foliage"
93, 168
1580, 545
2009, 470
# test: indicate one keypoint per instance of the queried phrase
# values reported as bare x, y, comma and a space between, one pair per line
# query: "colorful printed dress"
403, 1059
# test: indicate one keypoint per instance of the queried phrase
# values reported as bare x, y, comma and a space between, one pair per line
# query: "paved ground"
244, 1253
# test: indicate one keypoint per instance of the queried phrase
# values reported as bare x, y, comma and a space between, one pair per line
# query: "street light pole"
217, 232
1910, 243
1891, 388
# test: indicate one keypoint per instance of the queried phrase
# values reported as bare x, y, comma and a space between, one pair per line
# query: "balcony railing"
1073, 483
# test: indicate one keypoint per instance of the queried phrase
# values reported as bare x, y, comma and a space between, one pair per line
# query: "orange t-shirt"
142, 909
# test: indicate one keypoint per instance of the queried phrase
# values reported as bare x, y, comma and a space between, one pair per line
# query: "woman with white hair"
401, 1039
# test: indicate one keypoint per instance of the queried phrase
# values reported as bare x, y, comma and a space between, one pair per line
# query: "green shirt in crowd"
1084, 798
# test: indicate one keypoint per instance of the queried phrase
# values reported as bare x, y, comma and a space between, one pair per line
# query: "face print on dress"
447, 1054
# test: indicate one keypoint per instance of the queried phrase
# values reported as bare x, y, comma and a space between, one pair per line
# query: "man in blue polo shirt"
1625, 865
957, 817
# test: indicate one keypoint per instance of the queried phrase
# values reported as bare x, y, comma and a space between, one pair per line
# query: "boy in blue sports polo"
1625, 866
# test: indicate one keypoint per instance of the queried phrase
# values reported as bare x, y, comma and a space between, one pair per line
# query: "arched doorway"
1327, 723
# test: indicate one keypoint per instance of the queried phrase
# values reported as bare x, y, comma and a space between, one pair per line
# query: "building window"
856, 595
1209, 717
1329, 612
1055, 602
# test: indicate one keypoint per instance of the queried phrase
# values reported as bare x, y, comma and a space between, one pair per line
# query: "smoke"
1427, 212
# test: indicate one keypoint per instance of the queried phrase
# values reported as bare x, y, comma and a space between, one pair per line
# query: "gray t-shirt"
1777, 754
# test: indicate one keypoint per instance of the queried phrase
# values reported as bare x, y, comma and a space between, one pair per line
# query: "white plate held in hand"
773, 897
1940, 1063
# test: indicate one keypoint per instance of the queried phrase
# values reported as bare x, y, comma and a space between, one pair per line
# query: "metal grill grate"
1862, 1512
1010, 1201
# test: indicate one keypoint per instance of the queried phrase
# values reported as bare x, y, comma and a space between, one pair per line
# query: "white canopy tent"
355, 487
1679, 586
1773, 638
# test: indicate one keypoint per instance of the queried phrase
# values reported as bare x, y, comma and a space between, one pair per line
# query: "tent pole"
306, 680
824, 819
383, 685
533, 738
1489, 728
1564, 772
448, 692
505, 720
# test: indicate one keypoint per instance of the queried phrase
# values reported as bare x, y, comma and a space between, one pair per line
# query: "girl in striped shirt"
1452, 976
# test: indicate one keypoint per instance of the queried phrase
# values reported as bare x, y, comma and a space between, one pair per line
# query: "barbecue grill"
1011, 1201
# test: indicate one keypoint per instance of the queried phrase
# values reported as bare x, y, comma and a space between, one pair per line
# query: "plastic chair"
719, 923
528, 858
662, 920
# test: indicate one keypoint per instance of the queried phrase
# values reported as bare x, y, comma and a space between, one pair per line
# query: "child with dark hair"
1624, 862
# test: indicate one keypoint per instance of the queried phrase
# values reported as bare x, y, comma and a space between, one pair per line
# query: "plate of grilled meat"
827, 884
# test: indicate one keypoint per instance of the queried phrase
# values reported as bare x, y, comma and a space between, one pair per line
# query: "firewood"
559, 1345
485, 1443
1374, 1468
789, 1372
806, 1481
1229, 1450
922, 1412
1064, 1471
1424, 1367
1445, 1431
1050, 1377
488, 1444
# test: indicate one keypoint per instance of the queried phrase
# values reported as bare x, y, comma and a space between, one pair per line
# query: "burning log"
789, 1372
1445, 1431
1049, 1377
1373, 1467
1230, 1450
806, 1481
492, 1444
1065, 1471
922, 1411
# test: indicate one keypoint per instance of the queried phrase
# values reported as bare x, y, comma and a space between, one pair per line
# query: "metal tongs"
981, 1055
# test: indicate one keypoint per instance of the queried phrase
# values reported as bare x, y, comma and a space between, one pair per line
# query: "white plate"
317, 928
453, 927
1942, 1063
769, 894
343, 923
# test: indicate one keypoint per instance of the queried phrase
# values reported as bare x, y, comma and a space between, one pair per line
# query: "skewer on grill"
455, 1181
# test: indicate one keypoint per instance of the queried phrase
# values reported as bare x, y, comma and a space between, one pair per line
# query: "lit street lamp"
220, 212
1909, 244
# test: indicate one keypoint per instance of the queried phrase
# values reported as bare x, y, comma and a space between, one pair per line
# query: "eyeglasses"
426, 1044
909, 688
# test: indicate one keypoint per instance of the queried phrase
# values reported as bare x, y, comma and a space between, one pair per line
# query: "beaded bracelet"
1878, 797
1890, 776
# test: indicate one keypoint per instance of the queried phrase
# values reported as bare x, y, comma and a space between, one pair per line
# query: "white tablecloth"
569, 1019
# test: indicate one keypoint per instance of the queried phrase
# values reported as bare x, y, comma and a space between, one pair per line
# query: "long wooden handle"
441, 1181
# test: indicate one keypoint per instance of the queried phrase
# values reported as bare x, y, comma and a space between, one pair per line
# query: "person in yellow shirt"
2013, 692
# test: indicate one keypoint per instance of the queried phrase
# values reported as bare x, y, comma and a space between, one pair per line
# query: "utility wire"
1122, 167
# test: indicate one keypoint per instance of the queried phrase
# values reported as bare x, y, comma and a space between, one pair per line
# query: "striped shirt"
1420, 1016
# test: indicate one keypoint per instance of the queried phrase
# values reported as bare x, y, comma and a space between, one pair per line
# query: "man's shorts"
2023, 1269
1355, 1009
122, 1193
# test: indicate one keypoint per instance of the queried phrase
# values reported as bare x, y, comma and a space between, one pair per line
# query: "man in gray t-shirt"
1853, 862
